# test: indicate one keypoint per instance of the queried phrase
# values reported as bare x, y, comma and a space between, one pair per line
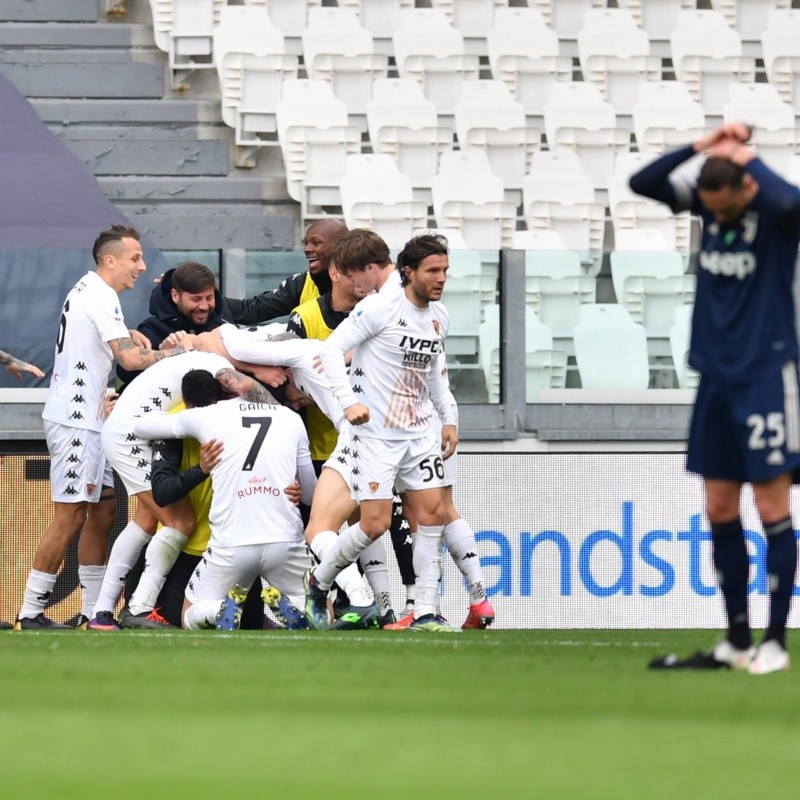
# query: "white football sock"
90, 577
38, 589
343, 552
373, 562
201, 615
123, 556
321, 543
159, 558
463, 549
428, 568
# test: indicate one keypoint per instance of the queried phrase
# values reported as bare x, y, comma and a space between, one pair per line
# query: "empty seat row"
610, 351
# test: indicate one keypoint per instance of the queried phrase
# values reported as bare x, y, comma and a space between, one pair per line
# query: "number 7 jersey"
264, 448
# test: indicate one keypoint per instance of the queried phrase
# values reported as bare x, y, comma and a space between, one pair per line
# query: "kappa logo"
76, 443
355, 438
165, 390
356, 487
775, 458
355, 454
72, 474
142, 463
402, 323
156, 401
145, 409
158, 457
355, 471
70, 490
358, 372
357, 388
341, 459
76, 415
81, 366
131, 437
135, 450
79, 382
73, 459
78, 398
373, 486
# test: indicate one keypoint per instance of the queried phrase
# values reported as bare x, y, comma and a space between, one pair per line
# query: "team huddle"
267, 463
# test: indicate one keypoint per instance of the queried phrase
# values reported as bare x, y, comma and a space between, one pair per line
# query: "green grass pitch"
284, 715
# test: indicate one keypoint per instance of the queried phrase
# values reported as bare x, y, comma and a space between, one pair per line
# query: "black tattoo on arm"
247, 388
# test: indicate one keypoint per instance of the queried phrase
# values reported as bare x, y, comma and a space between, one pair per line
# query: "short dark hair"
418, 249
193, 277
718, 173
200, 388
116, 233
358, 248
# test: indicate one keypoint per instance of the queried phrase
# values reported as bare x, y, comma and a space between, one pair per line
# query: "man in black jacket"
185, 300
318, 243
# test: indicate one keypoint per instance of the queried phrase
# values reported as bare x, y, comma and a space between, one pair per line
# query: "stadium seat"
775, 135
524, 54
657, 17
640, 239
665, 116
471, 17
184, 30
488, 118
468, 196
545, 364
780, 44
615, 56
375, 194
538, 240
380, 17
651, 285
749, 17
315, 139
577, 118
556, 287
249, 53
630, 210
565, 17
403, 123
338, 50
557, 195
679, 340
430, 50
288, 16
610, 349
707, 56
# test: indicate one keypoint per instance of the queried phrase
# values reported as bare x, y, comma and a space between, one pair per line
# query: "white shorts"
378, 468
78, 468
339, 459
281, 564
130, 456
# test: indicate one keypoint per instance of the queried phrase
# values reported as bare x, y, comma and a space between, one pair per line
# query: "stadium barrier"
566, 540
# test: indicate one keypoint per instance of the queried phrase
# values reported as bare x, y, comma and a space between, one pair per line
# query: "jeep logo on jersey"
736, 265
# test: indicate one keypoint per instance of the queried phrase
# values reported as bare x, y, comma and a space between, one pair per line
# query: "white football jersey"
256, 347
158, 388
394, 367
264, 445
91, 317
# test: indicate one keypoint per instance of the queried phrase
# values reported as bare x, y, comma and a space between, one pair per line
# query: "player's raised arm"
131, 356
16, 366
237, 383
